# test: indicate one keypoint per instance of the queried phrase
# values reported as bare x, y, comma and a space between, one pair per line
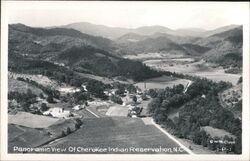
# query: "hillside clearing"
214, 132
161, 83
200, 68
31, 120
22, 87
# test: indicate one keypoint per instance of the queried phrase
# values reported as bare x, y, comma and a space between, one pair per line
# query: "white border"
4, 77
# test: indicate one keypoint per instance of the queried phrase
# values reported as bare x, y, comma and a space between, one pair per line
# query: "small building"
58, 112
84, 87
69, 90
139, 91
78, 107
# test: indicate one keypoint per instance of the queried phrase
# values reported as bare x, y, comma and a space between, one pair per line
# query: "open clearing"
43, 80
117, 110
104, 80
117, 132
161, 83
145, 56
22, 87
199, 68
214, 132
31, 120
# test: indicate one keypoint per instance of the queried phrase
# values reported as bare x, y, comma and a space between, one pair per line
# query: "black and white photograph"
155, 79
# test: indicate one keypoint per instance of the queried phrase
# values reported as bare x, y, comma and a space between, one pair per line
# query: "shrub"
116, 99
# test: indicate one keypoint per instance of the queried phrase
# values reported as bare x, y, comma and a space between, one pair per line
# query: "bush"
68, 131
44, 107
144, 96
50, 99
116, 99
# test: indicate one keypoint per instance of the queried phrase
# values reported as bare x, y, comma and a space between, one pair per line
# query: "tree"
44, 107
153, 105
63, 134
240, 80
116, 99
41, 95
134, 99
178, 89
50, 99
152, 93
68, 131
144, 96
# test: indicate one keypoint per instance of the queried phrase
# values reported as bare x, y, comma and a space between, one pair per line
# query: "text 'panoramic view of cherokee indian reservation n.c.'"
154, 78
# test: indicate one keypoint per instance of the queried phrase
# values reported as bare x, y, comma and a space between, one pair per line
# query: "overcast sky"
206, 15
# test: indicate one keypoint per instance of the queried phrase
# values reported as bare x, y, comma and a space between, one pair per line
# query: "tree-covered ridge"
197, 108
39, 48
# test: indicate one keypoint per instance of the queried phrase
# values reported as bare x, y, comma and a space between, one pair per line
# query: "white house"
84, 87
78, 107
58, 112
69, 89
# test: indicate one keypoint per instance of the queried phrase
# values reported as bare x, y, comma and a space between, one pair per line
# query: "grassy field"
31, 120
214, 132
116, 132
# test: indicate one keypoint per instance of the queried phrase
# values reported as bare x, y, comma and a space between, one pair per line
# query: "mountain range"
37, 48
116, 32
86, 47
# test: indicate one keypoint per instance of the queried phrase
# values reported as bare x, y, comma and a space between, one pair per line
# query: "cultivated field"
116, 132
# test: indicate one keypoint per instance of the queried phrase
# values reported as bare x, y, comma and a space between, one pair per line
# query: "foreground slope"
118, 132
